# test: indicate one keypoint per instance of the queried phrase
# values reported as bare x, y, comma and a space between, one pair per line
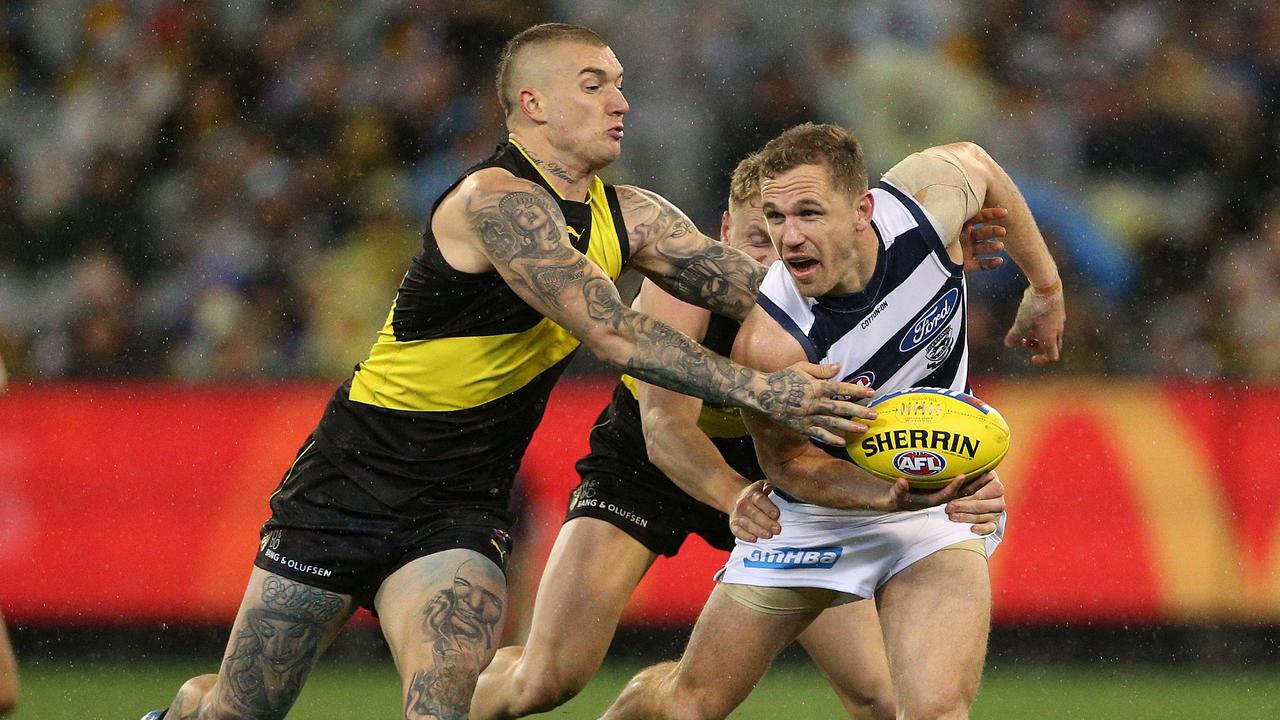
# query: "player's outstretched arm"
670, 251
676, 444
516, 228
955, 182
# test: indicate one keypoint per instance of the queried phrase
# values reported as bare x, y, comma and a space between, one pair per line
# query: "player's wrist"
1052, 288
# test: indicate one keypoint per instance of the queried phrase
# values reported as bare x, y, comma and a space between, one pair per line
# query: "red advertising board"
140, 503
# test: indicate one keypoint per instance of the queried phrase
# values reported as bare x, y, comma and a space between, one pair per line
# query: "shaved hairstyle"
538, 34
744, 186
811, 144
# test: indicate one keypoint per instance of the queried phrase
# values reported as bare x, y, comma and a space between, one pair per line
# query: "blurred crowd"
208, 189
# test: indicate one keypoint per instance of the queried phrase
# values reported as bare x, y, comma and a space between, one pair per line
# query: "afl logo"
930, 321
919, 463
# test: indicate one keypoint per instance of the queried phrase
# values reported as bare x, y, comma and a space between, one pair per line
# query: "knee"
688, 706
546, 688
200, 698
870, 704
193, 697
948, 706
659, 691
8, 700
872, 708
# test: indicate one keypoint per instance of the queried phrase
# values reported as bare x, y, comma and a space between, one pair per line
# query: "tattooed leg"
442, 615
186, 706
280, 631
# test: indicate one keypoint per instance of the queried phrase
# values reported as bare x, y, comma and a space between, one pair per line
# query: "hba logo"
919, 463
791, 558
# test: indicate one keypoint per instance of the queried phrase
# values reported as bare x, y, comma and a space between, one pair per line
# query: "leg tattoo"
460, 623
273, 652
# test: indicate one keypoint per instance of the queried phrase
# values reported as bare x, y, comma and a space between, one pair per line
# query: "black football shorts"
658, 515
339, 534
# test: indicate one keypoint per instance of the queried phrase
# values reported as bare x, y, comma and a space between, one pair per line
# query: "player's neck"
864, 267
570, 181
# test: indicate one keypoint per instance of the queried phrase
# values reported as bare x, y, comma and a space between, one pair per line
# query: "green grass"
341, 691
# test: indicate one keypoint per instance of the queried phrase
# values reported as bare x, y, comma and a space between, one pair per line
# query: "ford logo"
930, 321
919, 463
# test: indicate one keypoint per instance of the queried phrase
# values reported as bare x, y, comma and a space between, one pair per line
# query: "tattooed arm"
496, 221
670, 251
675, 444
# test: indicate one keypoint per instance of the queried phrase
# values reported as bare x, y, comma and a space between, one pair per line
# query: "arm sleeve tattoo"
523, 233
683, 261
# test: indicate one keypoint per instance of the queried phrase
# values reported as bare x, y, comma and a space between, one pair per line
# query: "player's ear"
530, 102
866, 206
724, 227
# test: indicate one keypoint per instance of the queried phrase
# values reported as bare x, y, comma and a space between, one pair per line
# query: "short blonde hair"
544, 33
744, 186
811, 144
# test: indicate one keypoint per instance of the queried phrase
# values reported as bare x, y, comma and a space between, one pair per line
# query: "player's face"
744, 228
814, 225
584, 103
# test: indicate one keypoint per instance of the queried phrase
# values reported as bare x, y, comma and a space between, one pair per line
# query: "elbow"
975, 159
972, 151
651, 425
782, 476
653, 449
609, 346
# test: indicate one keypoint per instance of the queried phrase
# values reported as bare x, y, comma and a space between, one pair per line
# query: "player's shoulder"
487, 189
636, 195
637, 203
765, 344
649, 217
496, 180
893, 208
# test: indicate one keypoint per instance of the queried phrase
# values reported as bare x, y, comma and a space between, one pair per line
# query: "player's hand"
980, 240
1038, 326
983, 508
754, 516
901, 496
804, 399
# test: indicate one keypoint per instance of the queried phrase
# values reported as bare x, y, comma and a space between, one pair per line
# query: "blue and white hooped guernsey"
907, 328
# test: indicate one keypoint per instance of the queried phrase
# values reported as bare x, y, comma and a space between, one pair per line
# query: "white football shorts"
850, 551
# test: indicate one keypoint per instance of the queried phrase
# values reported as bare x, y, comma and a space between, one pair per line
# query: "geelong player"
399, 499
663, 466
871, 280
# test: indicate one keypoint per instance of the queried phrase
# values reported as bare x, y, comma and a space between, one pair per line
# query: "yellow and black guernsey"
617, 439
621, 486
459, 377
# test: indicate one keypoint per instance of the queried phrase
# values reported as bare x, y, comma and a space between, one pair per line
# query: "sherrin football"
930, 435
